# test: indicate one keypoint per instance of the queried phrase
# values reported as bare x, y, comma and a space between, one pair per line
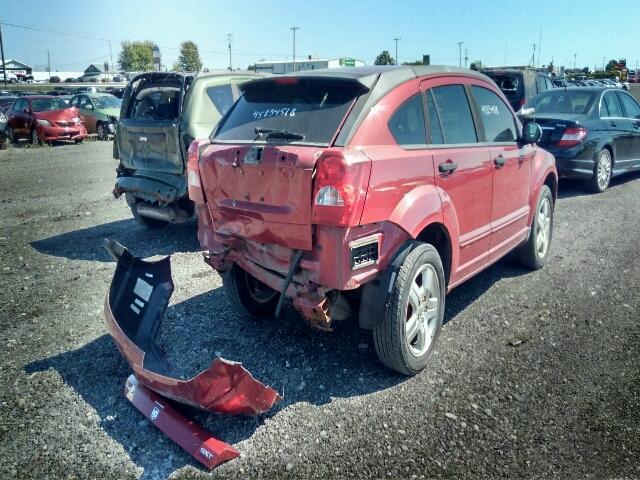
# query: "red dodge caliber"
44, 118
371, 191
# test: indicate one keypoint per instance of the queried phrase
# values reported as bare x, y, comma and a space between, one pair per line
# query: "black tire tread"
234, 286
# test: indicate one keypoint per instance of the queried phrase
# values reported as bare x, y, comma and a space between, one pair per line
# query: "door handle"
636, 124
499, 161
447, 167
613, 124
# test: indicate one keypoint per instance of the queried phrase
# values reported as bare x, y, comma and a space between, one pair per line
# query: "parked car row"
47, 118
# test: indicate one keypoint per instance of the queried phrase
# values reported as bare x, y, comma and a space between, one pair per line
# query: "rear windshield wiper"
270, 133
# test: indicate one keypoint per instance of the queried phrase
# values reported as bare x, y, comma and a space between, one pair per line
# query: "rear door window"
496, 117
511, 84
407, 123
631, 107
434, 121
287, 109
453, 109
611, 106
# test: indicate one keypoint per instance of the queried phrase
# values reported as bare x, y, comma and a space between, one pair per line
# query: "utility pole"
466, 57
294, 30
460, 53
49, 63
532, 62
229, 38
539, 46
575, 55
4, 70
505, 54
397, 39
111, 55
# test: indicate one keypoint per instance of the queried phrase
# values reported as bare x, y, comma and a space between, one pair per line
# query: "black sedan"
593, 132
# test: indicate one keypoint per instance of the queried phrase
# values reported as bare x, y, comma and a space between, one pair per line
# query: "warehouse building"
287, 66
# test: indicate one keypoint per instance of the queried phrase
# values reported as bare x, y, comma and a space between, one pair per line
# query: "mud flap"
138, 296
191, 437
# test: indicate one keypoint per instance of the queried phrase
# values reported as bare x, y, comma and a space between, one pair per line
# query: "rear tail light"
193, 173
572, 137
340, 187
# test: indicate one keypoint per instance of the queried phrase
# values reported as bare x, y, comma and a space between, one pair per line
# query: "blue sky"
328, 28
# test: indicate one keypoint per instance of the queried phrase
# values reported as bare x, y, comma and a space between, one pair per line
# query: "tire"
534, 252
35, 139
11, 136
79, 141
249, 295
601, 172
101, 131
400, 350
4, 143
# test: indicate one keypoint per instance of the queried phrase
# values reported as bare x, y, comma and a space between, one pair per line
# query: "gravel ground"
536, 374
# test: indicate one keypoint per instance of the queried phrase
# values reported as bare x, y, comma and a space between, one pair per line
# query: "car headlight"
3, 118
76, 120
43, 122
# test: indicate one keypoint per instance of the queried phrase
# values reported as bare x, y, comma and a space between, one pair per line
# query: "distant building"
286, 66
19, 68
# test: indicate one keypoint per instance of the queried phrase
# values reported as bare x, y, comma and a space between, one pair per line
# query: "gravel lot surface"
537, 375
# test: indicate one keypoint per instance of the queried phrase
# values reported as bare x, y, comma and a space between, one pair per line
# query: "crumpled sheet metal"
138, 296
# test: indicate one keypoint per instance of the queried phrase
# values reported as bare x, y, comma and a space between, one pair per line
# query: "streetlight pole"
397, 39
460, 54
294, 29
229, 36
575, 55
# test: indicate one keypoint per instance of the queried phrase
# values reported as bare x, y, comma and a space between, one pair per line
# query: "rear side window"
221, 96
309, 107
455, 114
496, 117
511, 84
611, 106
407, 123
631, 107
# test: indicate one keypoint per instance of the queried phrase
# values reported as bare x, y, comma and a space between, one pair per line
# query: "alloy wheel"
543, 221
421, 313
604, 169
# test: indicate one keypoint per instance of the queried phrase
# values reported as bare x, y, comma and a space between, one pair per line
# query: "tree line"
137, 56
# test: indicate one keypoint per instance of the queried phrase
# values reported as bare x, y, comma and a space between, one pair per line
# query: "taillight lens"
340, 188
572, 137
193, 173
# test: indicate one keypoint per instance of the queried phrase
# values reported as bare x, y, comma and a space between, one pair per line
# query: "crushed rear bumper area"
139, 294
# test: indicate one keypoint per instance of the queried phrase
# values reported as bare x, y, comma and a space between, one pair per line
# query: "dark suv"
519, 86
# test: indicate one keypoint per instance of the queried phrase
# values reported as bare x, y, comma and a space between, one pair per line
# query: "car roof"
36, 97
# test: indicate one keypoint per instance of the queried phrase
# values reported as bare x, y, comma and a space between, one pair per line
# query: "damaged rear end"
278, 195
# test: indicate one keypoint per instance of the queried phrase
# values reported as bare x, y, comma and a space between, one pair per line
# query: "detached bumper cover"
138, 296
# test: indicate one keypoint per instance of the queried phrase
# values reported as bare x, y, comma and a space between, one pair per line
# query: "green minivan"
161, 114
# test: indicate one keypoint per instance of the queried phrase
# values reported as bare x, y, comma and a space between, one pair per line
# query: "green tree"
384, 59
136, 56
189, 58
612, 65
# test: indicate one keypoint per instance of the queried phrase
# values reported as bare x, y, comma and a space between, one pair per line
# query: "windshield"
47, 104
107, 101
287, 109
562, 101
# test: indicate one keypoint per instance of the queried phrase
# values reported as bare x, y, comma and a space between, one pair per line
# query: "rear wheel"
534, 252
11, 135
409, 332
601, 172
102, 131
248, 294
35, 139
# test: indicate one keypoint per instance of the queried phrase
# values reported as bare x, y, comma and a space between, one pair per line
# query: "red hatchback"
371, 191
44, 118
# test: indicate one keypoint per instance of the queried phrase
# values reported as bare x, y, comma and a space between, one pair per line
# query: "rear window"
156, 103
311, 108
107, 101
511, 84
47, 104
562, 101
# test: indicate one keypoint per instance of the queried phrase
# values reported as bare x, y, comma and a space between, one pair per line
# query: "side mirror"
88, 106
531, 133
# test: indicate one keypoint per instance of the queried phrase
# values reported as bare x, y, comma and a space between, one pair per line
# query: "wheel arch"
437, 235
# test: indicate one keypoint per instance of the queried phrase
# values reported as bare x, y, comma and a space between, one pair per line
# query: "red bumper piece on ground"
186, 433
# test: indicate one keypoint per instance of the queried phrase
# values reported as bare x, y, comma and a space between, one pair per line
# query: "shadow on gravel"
86, 244
568, 188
